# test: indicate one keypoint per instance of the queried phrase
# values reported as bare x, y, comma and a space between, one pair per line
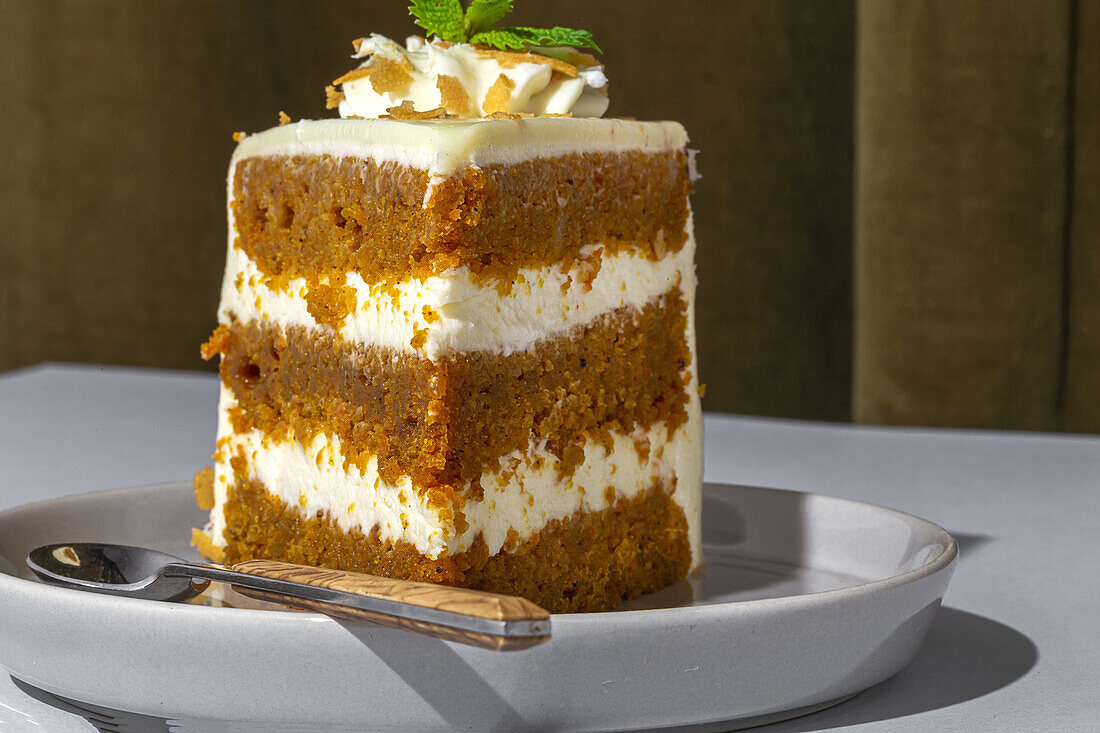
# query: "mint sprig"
521, 36
447, 20
484, 14
443, 18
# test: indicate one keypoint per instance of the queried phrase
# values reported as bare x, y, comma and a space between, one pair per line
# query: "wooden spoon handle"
488, 620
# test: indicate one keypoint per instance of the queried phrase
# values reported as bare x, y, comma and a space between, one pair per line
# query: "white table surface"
1016, 646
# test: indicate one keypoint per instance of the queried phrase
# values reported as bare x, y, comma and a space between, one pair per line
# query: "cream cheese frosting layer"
458, 314
523, 495
441, 147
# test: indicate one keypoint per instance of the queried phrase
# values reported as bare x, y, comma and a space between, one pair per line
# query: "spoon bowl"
120, 570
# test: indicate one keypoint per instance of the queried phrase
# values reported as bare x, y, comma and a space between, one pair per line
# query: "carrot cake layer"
303, 208
586, 561
446, 421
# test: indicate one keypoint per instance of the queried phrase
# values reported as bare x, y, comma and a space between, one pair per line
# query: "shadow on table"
969, 544
109, 720
964, 657
102, 719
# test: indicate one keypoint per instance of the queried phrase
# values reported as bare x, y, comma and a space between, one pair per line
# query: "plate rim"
897, 610
933, 566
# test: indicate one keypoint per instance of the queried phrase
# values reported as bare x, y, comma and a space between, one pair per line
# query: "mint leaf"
519, 37
556, 36
502, 38
447, 20
443, 18
484, 14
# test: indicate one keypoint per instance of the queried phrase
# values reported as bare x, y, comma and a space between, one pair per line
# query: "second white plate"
805, 601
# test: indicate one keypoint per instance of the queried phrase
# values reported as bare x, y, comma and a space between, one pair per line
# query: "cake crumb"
206, 547
420, 337
203, 485
332, 301
284, 118
459, 519
702, 390
589, 268
216, 344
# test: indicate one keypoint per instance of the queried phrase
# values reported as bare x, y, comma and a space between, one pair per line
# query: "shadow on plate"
965, 656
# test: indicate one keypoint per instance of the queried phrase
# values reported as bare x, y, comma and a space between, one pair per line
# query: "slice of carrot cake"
461, 349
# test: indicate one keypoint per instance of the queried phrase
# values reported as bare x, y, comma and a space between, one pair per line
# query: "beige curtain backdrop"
897, 221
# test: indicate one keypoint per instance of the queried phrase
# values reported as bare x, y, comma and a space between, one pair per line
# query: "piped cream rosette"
426, 79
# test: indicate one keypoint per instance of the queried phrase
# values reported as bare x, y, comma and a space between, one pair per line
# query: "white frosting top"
443, 146
469, 81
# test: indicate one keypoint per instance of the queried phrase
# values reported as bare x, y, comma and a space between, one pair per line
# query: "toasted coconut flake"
333, 97
509, 115
453, 95
580, 58
499, 96
238, 136
558, 114
284, 118
406, 111
511, 58
358, 44
355, 74
389, 75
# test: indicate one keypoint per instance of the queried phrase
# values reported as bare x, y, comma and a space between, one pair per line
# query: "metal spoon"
488, 620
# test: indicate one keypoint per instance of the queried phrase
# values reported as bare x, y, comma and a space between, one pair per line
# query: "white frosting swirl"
470, 81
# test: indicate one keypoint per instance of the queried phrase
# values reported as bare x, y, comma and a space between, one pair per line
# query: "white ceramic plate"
805, 601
